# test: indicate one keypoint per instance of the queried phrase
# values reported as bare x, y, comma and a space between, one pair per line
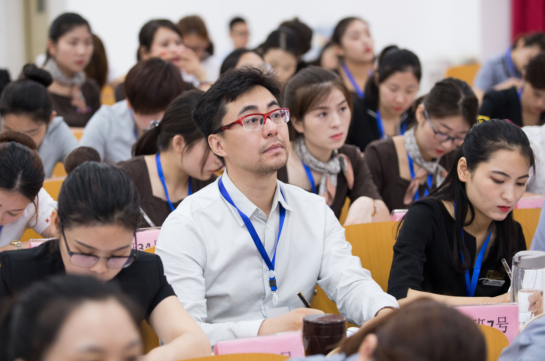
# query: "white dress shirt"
536, 135
219, 276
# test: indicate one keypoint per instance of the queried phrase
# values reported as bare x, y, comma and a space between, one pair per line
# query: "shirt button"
267, 226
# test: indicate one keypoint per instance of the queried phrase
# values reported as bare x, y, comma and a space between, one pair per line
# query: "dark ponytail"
176, 121
31, 323
480, 144
21, 168
392, 60
28, 95
98, 194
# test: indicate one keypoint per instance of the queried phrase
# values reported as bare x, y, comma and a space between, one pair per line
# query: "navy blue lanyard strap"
471, 284
355, 85
430, 179
162, 178
510, 65
257, 240
403, 127
380, 125
310, 178
1, 229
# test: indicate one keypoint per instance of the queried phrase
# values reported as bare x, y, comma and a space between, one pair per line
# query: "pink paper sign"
530, 202
146, 238
501, 316
397, 215
287, 344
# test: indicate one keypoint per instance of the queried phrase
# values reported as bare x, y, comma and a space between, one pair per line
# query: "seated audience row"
94, 226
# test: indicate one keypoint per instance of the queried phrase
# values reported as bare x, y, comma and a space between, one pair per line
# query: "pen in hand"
304, 300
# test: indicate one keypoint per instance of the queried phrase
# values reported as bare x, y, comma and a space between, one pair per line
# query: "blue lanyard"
510, 65
471, 284
520, 95
257, 241
350, 77
310, 178
1, 229
430, 179
162, 178
380, 126
403, 127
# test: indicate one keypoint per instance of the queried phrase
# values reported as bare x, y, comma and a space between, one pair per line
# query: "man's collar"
245, 205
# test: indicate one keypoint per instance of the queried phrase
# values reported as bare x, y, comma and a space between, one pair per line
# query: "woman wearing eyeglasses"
408, 167
98, 214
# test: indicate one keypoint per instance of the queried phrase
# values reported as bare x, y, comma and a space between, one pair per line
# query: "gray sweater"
111, 132
58, 142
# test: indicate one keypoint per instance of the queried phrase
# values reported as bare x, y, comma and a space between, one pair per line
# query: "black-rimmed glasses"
89, 260
442, 137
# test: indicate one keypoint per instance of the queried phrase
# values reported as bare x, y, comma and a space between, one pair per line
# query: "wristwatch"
17, 244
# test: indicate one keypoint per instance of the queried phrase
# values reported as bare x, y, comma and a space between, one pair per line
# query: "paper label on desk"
146, 238
501, 316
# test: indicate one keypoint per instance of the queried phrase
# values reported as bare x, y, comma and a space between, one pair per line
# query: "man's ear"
217, 144
55, 224
463, 172
368, 347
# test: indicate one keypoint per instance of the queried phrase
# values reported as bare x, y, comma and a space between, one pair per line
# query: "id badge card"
493, 278
278, 310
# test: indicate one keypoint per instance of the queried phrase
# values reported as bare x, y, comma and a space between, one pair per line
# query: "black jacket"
504, 104
364, 128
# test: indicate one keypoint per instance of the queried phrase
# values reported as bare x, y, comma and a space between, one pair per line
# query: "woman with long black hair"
451, 244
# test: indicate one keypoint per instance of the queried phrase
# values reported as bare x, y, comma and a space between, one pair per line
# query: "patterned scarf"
426, 168
79, 78
329, 170
61, 78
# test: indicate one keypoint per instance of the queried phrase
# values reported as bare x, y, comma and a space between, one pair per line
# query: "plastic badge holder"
146, 238
501, 316
33, 243
397, 215
286, 344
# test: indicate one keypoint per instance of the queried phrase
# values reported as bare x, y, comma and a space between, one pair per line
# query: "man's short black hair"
210, 109
235, 21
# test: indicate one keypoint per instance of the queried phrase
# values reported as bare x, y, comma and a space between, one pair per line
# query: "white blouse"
536, 135
37, 216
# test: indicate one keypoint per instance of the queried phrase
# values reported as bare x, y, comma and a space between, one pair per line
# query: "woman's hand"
536, 303
191, 63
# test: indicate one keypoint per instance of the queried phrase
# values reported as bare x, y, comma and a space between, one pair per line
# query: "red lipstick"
504, 208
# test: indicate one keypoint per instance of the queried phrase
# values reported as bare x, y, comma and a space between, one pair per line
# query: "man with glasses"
238, 251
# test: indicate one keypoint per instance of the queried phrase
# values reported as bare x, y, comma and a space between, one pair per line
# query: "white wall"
441, 32
12, 36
